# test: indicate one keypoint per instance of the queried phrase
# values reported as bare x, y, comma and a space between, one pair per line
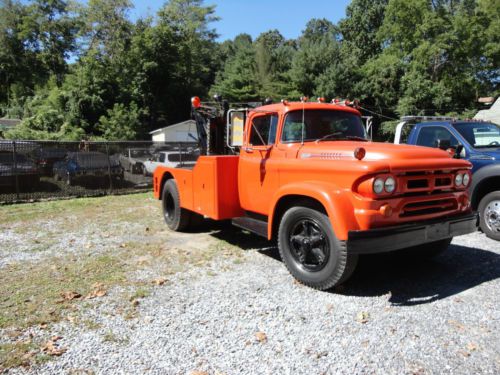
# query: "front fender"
337, 204
491, 170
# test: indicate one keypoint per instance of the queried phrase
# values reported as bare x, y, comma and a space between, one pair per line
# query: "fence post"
109, 170
180, 155
16, 175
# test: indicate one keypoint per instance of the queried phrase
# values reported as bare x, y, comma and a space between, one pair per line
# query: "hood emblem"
327, 156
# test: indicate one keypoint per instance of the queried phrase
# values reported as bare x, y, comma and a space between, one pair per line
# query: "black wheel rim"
309, 245
169, 206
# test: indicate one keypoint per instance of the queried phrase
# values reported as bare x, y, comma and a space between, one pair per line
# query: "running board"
253, 225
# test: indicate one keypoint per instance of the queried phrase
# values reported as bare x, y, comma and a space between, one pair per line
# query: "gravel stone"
433, 317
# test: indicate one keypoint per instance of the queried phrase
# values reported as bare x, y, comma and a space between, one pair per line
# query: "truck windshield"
479, 134
322, 124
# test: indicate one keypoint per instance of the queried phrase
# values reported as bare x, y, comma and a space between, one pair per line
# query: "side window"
430, 136
263, 130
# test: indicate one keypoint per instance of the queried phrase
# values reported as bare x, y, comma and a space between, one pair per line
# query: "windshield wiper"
331, 135
339, 136
356, 138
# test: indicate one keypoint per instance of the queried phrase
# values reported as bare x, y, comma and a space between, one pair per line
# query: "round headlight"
458, 179
378, 185
390, 185
466, 179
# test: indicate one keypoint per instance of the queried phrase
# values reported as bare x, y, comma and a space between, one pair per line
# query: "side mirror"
443, 144
235, 127
458, 152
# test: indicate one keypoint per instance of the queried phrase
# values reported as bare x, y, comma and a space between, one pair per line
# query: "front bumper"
383, 240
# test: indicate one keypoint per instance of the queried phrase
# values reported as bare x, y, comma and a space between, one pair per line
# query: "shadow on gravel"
411, 281
225, 231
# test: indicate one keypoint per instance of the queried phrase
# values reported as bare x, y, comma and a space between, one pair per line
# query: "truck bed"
209, 188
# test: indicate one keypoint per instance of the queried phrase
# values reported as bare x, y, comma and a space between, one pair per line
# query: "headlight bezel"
393, 184
466, 175
378, 181
381, 188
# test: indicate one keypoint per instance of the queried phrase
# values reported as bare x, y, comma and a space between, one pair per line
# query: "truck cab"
476, 141
304, 173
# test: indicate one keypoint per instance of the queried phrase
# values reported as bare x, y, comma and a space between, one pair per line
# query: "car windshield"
479, 134
322, 124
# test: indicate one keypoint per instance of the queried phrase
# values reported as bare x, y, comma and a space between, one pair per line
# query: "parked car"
45, 158
26, 171
81, 166
169, 159
133, 158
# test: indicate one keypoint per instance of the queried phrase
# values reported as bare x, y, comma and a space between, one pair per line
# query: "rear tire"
311, 251
489, 215
176, 217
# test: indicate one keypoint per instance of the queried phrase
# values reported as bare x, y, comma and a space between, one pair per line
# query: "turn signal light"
359, 153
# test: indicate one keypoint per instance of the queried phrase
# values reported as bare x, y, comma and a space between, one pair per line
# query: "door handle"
248, 150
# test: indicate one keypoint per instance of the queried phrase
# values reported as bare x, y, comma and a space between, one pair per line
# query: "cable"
378, 114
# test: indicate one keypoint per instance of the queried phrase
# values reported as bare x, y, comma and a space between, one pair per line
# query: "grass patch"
15, 354
31, 294
27, 212
142, 292
111, 337
133, 237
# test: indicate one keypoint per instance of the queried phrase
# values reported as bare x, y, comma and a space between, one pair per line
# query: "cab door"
258, 173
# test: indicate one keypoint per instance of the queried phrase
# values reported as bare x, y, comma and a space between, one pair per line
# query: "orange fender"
337, 204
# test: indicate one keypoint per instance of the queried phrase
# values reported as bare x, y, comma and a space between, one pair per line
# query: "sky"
256, 16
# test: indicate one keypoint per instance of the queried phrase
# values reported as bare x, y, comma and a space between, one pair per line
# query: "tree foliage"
73, 70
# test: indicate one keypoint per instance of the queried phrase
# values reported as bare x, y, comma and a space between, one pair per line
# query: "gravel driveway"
246, 315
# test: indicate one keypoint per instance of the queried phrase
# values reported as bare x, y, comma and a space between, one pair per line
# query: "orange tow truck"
305, 174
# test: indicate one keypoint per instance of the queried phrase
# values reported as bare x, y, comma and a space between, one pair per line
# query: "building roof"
178, 125
9, 122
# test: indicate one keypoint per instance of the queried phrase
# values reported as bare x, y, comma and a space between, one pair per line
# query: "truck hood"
491, 152
393, 157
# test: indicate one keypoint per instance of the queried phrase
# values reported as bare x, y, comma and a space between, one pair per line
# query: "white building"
492, 114
182, 132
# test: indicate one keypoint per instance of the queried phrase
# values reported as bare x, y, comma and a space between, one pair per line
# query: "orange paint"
224, 187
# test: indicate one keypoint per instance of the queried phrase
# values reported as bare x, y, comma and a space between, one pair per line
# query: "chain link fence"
33, 170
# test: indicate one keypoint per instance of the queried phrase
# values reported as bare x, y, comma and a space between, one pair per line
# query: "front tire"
311, 251
489, 215
176, 217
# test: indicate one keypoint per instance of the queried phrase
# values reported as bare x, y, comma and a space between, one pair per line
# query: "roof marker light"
195, 102
284, 102
304, 99
321, 100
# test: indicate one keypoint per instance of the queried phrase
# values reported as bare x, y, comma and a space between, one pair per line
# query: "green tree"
236, 82
120, 122
196, 48
318, 49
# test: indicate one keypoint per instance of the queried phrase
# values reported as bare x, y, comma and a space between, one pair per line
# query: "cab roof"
296, 106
